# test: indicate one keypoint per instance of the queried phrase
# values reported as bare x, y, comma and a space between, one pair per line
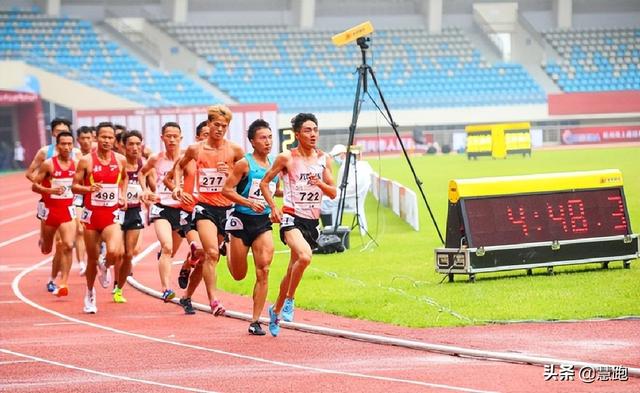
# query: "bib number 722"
310, 196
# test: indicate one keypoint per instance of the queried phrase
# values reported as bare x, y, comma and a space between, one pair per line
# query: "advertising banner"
599, 135
402, 200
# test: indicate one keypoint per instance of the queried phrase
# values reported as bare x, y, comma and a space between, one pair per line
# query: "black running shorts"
247, 226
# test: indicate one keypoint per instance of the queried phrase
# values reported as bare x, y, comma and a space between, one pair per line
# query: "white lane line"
15, 194
9, 362
18, 238
15, 285
54, 324
16, 218
22, 202
108, 375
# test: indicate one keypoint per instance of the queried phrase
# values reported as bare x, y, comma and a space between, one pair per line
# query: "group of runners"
97, 198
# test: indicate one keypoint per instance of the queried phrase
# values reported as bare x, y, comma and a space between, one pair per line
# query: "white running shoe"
90, 302
83, 268
105, 274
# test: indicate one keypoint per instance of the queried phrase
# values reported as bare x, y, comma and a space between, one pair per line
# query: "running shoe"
90, 302
193, 251
104, 275
117, 296
115, 286
185, 302
217, 309
183, 278
255, 329
83, 269
288, 310
274, 322
51, 286
167, 295
61, 291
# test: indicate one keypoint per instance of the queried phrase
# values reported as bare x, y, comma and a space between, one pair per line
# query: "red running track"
48, 345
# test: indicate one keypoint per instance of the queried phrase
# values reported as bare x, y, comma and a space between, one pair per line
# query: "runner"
57, 125
53, 181
85, 142
133, 218
188, 200
102, 178
306, 176
214, 159
249, 225
164, 213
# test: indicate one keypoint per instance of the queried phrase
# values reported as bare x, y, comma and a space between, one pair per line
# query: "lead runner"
306, 177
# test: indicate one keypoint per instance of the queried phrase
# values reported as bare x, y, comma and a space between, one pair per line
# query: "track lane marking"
16, 218
18, 238
104, 374
16, 290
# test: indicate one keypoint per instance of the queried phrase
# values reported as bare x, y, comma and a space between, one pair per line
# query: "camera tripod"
362, 88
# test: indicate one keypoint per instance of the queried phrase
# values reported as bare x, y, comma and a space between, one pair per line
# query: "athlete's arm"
37, 161
43, 172
190, 154
326, 184
82, 171
240, 170
279, 191
280, 163
124, 182
147, 170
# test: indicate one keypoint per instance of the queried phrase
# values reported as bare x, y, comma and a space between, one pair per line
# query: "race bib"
72, 211
106, 197
66, 184
134, 191
41, 211
286, 221
78, 200
307, 195
210, 180
233, 224
255, 194
118, 216
86, 216
183, 217
155, 211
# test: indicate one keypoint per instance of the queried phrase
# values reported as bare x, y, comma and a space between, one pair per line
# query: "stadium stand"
595, 59
415, 69
72, 48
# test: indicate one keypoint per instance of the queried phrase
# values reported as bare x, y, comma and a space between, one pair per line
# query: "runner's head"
58, 125
202, 131
260, 136
219, 117
171, 136
120, 130
64, 144
305, 127
85, 137
132, 142
106, 135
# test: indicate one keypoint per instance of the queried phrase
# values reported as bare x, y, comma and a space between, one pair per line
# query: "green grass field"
396, 282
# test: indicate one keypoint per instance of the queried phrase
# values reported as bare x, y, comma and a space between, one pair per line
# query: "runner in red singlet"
53, 180
102, 178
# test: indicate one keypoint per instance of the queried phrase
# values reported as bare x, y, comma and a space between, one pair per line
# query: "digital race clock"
522, 222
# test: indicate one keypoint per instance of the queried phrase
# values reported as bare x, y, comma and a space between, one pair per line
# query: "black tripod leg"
404, 151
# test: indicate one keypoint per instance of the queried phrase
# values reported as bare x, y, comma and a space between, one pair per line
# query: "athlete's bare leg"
67, 233
165, 237
300, 259
262, 249
130, 243
237, 258
212, 254
112, 236
92, 240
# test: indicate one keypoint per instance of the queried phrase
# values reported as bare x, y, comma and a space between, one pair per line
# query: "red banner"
596, 135
386, 144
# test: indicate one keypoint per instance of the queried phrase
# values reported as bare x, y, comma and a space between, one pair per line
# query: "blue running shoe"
287, 310
274, 323
51, 286
167, 295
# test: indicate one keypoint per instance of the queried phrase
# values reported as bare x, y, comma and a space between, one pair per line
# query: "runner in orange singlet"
214, 159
